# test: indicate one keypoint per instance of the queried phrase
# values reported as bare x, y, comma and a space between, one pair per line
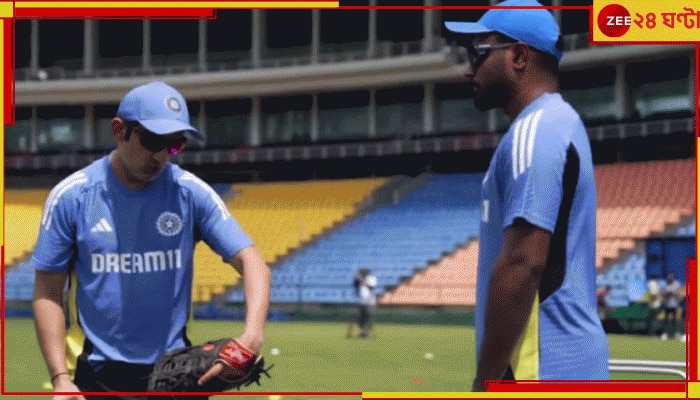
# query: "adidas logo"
102, 226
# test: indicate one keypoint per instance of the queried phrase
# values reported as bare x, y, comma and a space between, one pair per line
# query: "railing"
322, 151
274, 59
649, 366
641, 128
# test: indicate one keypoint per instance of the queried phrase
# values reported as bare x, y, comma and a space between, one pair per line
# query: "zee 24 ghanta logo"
614, 20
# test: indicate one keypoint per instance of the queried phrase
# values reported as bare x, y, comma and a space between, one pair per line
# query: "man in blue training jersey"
122, 233
536, 313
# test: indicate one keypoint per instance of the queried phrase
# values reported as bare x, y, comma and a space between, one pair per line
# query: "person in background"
671, 302
654, 294
365, 284
602, 300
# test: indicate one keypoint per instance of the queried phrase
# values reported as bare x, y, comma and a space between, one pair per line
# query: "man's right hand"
63, 384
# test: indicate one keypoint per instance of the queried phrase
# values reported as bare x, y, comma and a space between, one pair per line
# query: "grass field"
317, 357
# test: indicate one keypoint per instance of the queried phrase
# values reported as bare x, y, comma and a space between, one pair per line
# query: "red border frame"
522, 386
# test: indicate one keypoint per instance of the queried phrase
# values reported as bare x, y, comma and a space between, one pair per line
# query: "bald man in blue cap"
536, 313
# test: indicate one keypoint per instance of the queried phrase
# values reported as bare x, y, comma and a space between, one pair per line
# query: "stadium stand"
20, 242
279, 217
394, 240
636, 200
632, 206
687, 230
292, 101
649, 183
19, 282
23, 209
409, 240
450, 281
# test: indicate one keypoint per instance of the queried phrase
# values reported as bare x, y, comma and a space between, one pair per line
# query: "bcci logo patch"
173, 104
169, 224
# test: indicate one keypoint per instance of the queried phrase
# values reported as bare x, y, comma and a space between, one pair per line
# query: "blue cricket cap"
536, 27
159, 107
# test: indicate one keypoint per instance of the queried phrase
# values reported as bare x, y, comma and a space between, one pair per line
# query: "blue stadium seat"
687, 230
392, 240
19, 282
636, 288
627, 278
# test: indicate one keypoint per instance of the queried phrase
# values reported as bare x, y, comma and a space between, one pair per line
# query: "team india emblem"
169, 224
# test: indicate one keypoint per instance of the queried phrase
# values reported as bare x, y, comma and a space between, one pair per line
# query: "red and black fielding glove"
179, 370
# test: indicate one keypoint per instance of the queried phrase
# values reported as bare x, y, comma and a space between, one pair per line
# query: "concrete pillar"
146, 56
429, 21
429, 108
315, 119
90, 41
492, 120
622, 94
691, 85
34, 130
255, 120
557, 11
257, 37
372, 30
315, 35
89, 127
202, 46
372, 110
34, 50
202, 121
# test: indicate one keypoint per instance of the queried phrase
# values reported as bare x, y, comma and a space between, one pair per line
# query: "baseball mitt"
179, 370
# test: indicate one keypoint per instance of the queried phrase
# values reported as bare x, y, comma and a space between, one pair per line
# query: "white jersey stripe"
514, 150
524, 142
75, 179
531, 136
524, 130
217, 199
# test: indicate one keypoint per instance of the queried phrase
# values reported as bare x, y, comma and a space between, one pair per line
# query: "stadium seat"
23, 209
279, 217
394, 240
452, 281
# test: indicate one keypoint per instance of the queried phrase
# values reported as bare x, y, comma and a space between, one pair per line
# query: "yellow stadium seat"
280, 217
23, 208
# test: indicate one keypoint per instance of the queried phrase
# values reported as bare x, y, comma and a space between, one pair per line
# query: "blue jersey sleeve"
533, 189
218, 227
55, 246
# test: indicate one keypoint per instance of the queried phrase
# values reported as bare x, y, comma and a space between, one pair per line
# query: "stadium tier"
638, 200
669, 184
23, 209
406, 243
450, 281
311, 236
339, 97
19, 282
393, 240
687, 230
279, 217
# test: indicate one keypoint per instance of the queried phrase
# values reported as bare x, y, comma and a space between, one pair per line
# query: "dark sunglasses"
156, 143
476, 54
